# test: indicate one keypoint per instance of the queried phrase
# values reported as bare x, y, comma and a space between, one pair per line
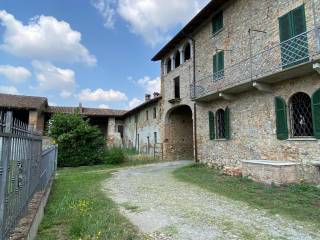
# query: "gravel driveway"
165, 208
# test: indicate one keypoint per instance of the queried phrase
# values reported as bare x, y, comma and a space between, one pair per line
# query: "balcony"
289, 59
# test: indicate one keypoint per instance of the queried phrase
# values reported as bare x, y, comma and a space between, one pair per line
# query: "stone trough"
271, 172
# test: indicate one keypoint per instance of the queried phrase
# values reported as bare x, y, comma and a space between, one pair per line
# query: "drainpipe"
194, 94
316, 27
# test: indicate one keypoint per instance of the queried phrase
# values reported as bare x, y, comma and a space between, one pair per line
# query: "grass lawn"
300, 202
78, 209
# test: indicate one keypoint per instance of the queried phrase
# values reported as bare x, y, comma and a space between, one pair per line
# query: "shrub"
79, 143
114, 156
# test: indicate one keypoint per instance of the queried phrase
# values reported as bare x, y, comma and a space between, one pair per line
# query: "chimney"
156, 94
147, 97
80, 107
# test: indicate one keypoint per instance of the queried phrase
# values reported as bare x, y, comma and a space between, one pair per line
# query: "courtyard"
163, 201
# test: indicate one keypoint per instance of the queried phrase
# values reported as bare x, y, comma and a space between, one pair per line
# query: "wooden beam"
226, 96
263, 87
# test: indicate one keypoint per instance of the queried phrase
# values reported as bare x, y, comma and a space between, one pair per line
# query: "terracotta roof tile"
19, 101
86, 111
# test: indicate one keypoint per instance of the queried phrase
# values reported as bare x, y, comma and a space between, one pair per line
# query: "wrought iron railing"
282, 56
24, 169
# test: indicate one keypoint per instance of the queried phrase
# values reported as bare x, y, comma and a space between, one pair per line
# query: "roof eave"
191, 26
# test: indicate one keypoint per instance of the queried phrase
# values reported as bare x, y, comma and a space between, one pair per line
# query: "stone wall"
239, 17
253, 128
185, 73
113, 136
137, 126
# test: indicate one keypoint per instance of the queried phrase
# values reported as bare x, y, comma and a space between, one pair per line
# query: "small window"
168, 65
220, 123
217, 22
177, 88
154, 113
218, 66
187, 52
301, 115
136, 119
147, 115
177, 61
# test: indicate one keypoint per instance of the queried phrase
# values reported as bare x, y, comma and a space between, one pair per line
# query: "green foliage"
79, 209
114, 156
298, 201
79, 143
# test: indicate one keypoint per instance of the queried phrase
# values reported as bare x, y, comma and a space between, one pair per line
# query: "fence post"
5, 156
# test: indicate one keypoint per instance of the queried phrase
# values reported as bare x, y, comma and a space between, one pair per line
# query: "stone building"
36, 112
141, 126
241, 84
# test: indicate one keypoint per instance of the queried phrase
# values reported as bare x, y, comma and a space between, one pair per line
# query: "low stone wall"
271, 172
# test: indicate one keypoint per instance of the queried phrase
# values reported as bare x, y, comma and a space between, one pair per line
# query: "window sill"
174, 100
309, 139
220, 140
217, 33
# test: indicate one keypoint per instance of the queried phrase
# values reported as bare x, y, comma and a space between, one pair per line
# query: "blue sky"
92, 51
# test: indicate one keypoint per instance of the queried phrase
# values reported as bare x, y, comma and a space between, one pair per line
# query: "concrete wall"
144, 128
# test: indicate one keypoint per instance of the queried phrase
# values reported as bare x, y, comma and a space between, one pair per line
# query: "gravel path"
165, 208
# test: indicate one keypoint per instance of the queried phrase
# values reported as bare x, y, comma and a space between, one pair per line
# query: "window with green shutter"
293, 38
227, 123
281, 118
217, 22
218, 66
212, 134
316, 113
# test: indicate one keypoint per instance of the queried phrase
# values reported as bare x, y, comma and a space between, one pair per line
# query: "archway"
179, 134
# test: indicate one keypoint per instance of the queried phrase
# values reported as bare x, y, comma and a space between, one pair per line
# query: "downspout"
316, 27
194, 94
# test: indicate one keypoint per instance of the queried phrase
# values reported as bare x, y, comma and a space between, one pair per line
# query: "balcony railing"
298, 50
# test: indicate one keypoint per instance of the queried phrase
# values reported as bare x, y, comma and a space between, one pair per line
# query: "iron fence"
25, 169
298, 50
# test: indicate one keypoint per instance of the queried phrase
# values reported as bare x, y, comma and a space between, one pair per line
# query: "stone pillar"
172, 62
36, 120
181, 50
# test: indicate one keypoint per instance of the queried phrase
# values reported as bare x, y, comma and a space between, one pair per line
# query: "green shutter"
281, 119
221, 60
298, 21
285, 27
218, 62
212, 134
227, 123
316, 113
217, 22
215, 63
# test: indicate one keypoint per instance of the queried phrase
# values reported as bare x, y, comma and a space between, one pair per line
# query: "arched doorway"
179, 134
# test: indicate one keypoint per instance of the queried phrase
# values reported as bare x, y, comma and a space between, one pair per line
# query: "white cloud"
88, 95
65, 94
8, 90
106, 9
135, 102
104, 106
153, 19
150, 85
43, 38
14, 74
50, 77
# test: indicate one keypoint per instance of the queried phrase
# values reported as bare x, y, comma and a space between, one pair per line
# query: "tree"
79, 143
